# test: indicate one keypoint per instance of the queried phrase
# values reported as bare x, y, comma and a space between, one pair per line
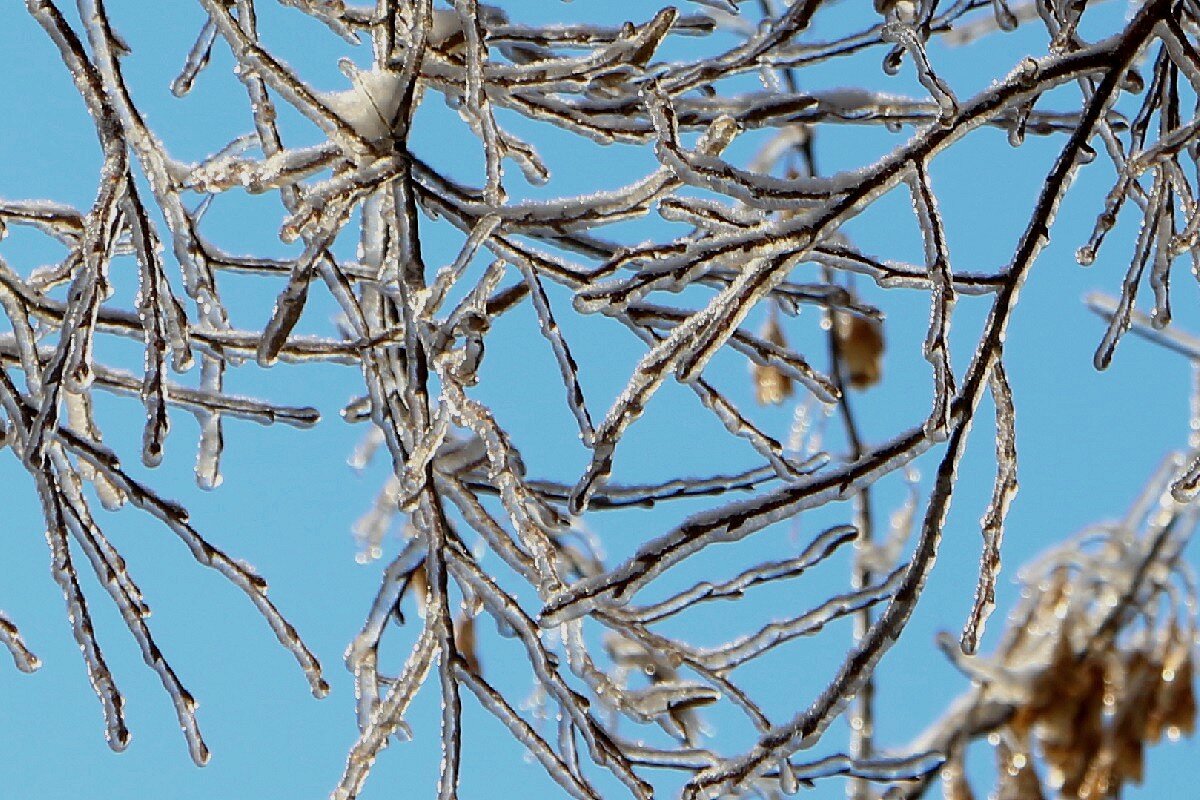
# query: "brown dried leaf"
464, 640
630, 655
685, 717
861, 343
418, 585
1070, 726
1052, 600
1175, 706
1141, 684
1099, 781
771, 387
1055, 694
1016, 777
954, 781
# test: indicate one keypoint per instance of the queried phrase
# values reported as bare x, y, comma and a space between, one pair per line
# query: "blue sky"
1087, 441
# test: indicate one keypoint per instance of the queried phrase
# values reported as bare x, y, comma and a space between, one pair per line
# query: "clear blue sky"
1087, 441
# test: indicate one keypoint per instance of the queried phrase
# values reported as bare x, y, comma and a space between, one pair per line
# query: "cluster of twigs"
767, 233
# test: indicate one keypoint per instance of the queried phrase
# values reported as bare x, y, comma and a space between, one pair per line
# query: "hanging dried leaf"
1141, 679
1099, 780
771, 386
464, 640
1071, 727
1175, 705
1016, 778
418, 587
860, 341
954, 781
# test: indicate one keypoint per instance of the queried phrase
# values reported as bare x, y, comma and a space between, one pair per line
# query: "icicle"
412, 480
881, 769
556, 768
1005, 19
1160, 268
531, 517
208, 455
649, 495
1194, 408
176, 519
568, 369
1185, 488
387, 718
731, 523
1016, 131
527, 159
371, 528
478, 108
128, 599
154, 395
227, 170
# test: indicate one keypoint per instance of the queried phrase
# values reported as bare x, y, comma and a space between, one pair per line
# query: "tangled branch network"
722, 101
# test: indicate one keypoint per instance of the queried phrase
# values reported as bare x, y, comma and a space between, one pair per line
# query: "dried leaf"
771, 386
954, 781
1016, 778
861, 343
464, 640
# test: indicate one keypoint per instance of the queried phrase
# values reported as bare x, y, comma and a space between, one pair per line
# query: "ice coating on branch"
10, 637
208, 455
905, 36
937, 259
993, 521
197, 59
728, 215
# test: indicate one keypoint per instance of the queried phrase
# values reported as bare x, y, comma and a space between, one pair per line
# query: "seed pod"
954, 780
1070, 727
1055, 694
634, 656
464, 640
1175, 706
1098, 782
418, 585
860, 341
1016, 777
771, 387
1053, 601
1141, 680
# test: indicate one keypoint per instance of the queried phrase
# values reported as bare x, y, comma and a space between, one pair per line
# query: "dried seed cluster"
1097, 664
